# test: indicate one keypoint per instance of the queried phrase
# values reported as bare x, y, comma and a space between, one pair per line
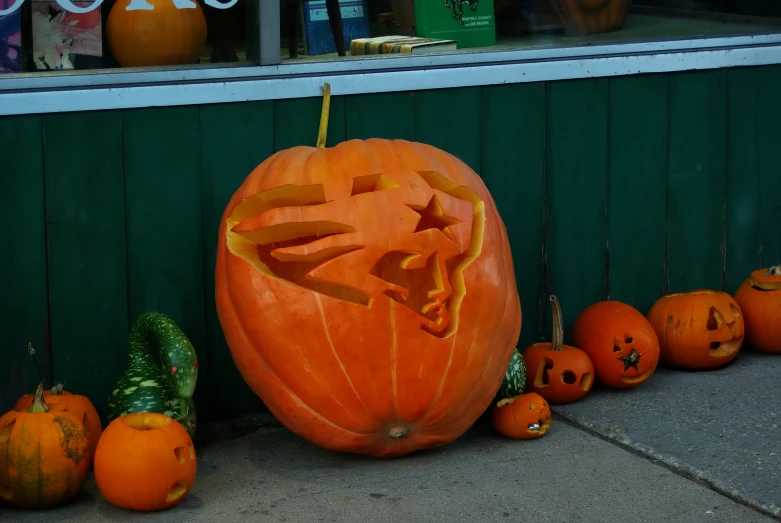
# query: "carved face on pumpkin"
145, 461
698, 329
400, 235
759, 298
367, 294
619, 340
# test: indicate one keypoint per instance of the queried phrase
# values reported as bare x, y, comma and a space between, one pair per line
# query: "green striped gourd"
153, 383
514, 381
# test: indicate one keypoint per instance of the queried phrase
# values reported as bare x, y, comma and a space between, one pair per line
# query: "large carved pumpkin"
367, 293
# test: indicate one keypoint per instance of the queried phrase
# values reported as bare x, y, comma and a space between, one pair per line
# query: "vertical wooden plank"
513, 168
86, 251
235, 138
163, 221
296, 122
637, 189
450, 120
768, 140
577, 163
390, 115
23, 300
696, 179
743, 189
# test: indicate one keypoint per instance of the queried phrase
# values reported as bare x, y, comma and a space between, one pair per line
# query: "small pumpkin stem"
38, 404
557, 343
775, 270
323, 132
57, 389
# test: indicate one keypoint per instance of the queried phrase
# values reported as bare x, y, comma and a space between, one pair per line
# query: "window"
468, 26
49, 37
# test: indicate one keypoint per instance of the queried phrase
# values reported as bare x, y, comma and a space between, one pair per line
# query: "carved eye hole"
715, 319
372, 183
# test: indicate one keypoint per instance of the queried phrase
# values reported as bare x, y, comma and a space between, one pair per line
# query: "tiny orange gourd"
164, 35
557, 372
700, 329
620, 341
145, 461
526, 416
759, 298
44, 455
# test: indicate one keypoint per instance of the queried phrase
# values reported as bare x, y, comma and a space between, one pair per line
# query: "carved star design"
432, 216
631, 359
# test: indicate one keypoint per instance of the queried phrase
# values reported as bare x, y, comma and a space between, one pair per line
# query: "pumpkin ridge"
394, 357
284, 385
338, 359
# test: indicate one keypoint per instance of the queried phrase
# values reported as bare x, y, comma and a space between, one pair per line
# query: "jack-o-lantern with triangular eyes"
701, 329
367, 294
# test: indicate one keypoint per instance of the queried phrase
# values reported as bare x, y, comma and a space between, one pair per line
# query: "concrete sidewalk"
566, 476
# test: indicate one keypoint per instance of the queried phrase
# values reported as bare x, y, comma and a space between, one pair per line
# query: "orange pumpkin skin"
527, 416
620, 341
398, 342
700, 329
162, 36
145, 461
759, 298
79, 406
44, 457
557, 372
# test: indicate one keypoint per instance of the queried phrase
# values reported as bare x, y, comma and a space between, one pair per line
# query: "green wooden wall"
625, 187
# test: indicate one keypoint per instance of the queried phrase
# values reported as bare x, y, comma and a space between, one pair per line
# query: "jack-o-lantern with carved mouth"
367, 294
759, 298
620, 341
701, 329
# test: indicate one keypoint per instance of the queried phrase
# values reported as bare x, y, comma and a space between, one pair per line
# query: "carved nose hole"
568, 377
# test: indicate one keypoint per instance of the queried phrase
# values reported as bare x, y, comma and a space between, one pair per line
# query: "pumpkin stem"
38, 404
323, 132
557, 343
775, 270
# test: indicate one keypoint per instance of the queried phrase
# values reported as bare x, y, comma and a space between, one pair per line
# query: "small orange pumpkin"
620, 341
79, 406
700, 329
557, 372
44, 455
759, 298
527, 416
145, 461
165, 35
